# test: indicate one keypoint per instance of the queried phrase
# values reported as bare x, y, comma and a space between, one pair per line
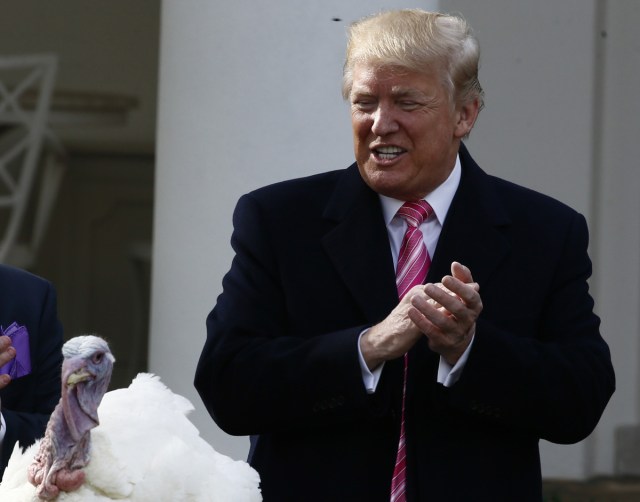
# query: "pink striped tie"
412, 268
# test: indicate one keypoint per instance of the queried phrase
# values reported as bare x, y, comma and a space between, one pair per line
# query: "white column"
249, 94
616, 240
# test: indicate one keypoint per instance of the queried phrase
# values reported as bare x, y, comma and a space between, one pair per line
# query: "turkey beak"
81, 375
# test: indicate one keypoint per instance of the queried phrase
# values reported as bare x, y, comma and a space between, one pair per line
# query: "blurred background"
100, 131
162, 113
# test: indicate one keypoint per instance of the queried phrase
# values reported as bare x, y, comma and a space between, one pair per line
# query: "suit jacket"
27, 402
313, 268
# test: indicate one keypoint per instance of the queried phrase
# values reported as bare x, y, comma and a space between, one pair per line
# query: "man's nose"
384, 121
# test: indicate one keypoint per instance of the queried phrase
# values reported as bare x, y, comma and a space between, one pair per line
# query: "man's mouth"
388, 152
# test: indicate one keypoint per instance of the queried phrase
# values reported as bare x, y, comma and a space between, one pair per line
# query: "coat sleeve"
257, 372
548, 371
29, 401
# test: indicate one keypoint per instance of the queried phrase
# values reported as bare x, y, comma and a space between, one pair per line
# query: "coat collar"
358, 245
472, 233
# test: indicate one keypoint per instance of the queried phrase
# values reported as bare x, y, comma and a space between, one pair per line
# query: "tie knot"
414, 213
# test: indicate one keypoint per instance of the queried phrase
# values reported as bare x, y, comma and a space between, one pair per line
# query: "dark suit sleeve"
268, 365
541, 366
28, 401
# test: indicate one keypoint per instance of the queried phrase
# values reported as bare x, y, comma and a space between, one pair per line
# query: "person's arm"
6, 354
449, 374
370, 378
551, 374
26, 415
256, 373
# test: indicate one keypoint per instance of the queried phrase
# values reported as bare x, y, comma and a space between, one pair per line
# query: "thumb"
460, 272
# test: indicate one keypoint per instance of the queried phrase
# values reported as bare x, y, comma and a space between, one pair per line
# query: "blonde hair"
420, 41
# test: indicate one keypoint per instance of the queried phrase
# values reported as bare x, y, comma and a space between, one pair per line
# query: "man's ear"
466, 115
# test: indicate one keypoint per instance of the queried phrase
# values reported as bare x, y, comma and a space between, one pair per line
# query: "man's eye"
363, 104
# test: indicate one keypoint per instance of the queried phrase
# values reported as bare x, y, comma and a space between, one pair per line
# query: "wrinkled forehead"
393, 79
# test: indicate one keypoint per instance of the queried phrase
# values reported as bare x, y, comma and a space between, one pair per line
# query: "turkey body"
145, 450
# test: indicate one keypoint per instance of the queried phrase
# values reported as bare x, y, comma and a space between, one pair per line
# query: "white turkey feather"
145, 450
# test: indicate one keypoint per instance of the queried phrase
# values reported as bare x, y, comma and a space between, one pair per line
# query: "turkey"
133, 444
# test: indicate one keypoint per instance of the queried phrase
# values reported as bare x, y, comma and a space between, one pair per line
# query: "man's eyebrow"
407, 92
396, 92
362, 90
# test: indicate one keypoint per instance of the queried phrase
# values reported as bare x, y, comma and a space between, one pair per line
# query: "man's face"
406, 133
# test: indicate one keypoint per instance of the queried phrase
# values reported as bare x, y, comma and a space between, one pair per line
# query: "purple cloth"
20, 365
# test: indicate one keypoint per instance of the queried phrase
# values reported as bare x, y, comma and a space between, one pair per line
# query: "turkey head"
65, 448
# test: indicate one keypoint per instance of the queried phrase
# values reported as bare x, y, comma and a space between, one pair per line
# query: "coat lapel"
472, 233
358, 246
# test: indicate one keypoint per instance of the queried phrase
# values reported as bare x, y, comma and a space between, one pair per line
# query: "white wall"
249, 94
107, 47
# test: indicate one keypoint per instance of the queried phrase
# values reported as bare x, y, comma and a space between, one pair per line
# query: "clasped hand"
445, 313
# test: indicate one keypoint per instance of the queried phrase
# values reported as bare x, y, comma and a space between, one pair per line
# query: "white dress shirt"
440, 200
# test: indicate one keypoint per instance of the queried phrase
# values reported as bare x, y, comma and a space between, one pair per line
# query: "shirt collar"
439, 199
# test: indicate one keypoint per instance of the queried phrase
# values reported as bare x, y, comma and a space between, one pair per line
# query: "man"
28, 310
357, 382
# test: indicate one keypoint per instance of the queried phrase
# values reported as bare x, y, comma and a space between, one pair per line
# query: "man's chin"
388, 183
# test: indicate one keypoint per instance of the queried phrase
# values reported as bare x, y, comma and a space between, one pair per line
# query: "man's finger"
460, 272
446, 297
4, 381
467, 292
7, 355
